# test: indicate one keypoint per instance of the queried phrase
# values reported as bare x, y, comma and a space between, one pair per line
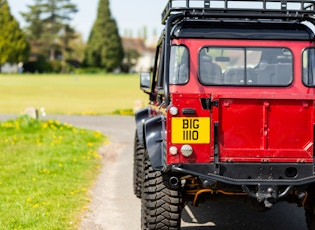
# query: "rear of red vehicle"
251, 119
232, 108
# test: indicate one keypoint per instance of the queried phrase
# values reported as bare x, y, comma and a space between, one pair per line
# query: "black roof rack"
252, 9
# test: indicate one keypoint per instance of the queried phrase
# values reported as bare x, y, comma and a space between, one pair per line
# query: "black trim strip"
216, 148
227, 180
189, 111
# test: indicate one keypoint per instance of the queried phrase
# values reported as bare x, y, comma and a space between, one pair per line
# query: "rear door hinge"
207, 103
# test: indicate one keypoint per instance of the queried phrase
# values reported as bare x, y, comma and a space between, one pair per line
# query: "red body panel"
266, 129
202, 151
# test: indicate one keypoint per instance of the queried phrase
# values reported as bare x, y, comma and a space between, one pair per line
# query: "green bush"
38, 66
125, 112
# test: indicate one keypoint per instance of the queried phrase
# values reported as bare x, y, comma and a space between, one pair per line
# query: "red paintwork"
256, 124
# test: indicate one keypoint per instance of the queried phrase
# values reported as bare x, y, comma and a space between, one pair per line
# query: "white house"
147, 53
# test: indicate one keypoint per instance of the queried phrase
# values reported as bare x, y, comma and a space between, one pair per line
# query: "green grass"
46, 169
70, 94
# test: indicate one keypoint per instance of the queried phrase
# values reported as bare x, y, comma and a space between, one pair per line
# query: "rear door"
264, 130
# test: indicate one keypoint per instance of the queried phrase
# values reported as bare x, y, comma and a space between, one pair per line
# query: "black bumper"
275, 174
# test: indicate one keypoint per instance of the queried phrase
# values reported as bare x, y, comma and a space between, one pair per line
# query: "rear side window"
179, 65
245, 66
309, 67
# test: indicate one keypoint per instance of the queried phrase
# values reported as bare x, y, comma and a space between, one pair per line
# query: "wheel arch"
154, 129
141, 116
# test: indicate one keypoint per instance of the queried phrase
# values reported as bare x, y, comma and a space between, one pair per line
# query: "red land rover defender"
232, 108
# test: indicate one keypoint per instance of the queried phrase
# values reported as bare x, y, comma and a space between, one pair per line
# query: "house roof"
137, 44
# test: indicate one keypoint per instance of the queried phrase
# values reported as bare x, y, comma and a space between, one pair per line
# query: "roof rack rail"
253, 9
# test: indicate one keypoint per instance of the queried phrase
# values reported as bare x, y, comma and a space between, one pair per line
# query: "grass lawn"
70, 94
46, 170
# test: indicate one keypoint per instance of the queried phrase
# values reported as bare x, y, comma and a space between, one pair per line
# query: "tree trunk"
63, 50
52, 54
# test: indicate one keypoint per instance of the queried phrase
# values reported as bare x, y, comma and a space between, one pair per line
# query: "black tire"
137, 166
161, 203
309, 208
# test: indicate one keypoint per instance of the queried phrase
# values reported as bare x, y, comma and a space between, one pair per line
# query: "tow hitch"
267, 194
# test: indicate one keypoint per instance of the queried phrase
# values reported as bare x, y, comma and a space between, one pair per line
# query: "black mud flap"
141, 116
154, 137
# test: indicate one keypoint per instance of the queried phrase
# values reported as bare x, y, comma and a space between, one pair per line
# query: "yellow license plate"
191, 130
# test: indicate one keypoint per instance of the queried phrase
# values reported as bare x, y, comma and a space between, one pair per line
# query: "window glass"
159, 74
245, 66
179, 63
309, 67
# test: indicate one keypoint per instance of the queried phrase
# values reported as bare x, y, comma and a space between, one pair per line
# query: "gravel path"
113, 205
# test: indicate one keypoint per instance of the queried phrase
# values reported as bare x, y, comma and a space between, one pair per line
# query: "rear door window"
309, 67
245, 66
179, 65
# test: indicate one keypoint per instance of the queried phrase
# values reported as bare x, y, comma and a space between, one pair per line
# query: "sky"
129, 14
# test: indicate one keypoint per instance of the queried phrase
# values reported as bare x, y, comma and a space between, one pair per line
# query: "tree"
13, 45
130, 59
49, 26
76, 49
143, 34
104, 48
